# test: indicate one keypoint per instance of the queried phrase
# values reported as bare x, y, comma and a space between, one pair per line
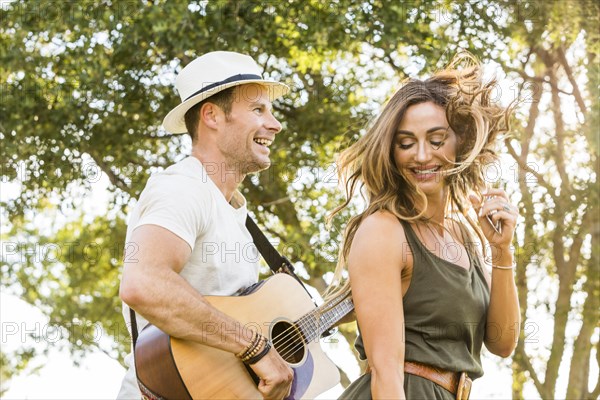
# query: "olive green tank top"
445, 311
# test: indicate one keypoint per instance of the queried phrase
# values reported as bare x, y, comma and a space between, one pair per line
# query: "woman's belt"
457, 383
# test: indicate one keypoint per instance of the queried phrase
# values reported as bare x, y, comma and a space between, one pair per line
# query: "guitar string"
289, 346
284, 348
289, 351
292, 346
306, 318
301, 323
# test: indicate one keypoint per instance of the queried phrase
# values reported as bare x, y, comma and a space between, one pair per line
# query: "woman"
425, 301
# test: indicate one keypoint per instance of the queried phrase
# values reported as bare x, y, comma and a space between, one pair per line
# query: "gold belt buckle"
464, 387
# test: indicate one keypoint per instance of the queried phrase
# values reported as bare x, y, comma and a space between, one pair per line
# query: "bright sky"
98, 376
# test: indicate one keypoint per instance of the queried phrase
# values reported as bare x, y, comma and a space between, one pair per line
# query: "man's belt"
457, 383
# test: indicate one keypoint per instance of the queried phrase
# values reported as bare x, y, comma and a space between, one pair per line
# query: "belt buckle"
464, 387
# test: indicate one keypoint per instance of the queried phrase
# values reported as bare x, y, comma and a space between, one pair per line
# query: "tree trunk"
580, 363
525, 254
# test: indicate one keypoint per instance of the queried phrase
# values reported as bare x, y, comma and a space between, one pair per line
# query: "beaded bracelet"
253, 344
260, 355
247, 348
503, 267
255, 349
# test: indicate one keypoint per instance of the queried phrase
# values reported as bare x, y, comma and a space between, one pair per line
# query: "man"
186, 236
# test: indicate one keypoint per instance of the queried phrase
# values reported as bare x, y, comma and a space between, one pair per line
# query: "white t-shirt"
224, 259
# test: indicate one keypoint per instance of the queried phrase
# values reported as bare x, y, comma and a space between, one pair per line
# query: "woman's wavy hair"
368, 165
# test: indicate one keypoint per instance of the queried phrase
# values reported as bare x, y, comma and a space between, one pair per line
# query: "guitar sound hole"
287, 340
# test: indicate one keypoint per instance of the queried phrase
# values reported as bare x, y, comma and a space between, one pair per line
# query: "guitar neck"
316, 322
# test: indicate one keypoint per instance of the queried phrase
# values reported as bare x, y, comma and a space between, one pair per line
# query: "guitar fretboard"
324, 317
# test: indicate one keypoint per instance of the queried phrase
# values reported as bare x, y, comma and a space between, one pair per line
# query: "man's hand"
275, 376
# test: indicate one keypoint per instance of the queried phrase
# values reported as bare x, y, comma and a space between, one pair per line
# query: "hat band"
234, 78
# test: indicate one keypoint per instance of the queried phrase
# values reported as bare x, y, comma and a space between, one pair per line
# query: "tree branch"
277, 201
114, 178
596, 392
532, 374
538, 79
264, 66
565, 271
575, 252
579, 371
522, 164
525, 76
98, 347
526, 253
576, 92
560, 138
561, 313
534, 112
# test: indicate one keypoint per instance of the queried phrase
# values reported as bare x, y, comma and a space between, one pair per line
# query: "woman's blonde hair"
368, 165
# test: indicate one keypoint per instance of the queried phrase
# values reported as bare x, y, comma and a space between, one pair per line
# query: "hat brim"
174, 122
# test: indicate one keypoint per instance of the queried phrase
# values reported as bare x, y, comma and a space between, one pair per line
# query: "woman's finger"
502, 216
495, 192
495, 205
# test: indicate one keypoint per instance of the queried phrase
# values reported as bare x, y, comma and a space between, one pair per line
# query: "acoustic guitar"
278, 308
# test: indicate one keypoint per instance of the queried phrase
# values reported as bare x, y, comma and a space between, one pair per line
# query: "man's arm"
152, 286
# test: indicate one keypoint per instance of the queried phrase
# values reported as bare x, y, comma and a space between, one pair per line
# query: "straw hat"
210, 74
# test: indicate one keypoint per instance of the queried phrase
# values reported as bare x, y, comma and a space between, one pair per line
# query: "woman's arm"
504, 317
375, 262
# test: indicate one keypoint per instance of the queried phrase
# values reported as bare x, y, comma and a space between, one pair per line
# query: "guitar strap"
276, 262
134, 329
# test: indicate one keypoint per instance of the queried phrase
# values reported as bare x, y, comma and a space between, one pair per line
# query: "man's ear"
209, 115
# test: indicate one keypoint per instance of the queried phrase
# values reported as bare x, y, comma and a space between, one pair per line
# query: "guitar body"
172, 368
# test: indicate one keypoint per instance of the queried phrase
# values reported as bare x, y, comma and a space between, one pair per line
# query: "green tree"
554, 56
85, 85
550, 49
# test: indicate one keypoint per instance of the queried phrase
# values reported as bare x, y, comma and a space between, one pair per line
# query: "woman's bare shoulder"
381, 227
382, 219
